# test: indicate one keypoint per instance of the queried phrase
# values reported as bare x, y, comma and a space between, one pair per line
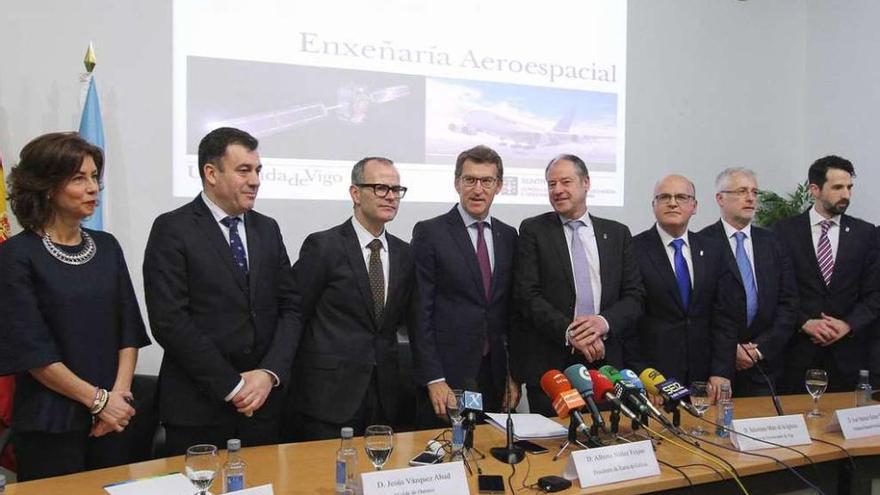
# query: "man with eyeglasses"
766, 298
464, 268
356, 282
577, 284
834, 263
684, 332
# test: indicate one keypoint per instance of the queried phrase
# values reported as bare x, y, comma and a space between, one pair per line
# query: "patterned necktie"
748, 277
377, 278
235, 243
823, 253
583, 285
682, 274
483, 259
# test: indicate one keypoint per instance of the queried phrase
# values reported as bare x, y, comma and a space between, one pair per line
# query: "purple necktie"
823, 253
582, 281
483, 259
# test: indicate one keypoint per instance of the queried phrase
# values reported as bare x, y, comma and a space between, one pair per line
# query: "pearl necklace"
84, 256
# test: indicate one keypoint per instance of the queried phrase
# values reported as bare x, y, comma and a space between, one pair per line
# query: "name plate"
782, 430
603, 465
440, 479
857, 422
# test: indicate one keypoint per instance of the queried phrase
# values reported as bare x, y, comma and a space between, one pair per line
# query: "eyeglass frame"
400, 191
482, 180
742, 192
681, 199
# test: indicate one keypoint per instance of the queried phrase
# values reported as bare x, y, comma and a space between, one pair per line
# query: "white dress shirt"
730, 231
471, 224
364, 239
665, 238
816, 230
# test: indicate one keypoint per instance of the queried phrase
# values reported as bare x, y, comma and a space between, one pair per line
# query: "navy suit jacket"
545, 293
454, 316
853, 295
211, 320
342, 341
690, 344
774, 323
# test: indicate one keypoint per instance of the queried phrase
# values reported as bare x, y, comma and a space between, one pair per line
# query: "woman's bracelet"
101, 398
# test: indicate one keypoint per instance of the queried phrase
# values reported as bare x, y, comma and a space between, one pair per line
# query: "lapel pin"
701, 252
846, 229
604, 236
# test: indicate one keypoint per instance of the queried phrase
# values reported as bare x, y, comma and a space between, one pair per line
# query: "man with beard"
833, 257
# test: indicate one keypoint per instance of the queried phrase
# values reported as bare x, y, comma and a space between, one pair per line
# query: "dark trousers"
493, 390
750, 383
43, 455
370, 412
840, 379
251, 431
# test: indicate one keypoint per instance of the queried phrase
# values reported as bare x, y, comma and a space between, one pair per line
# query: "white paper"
856, 422
257, 490
169, 484
782, 430
437, 479
603, 465
528, 426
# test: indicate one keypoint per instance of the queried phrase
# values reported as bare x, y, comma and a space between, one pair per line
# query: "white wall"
712, 84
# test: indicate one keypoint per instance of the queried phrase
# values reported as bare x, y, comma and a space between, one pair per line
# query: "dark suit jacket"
454, 316
212, 321
690, 344
545, 292
774, 323
342, 343
874, 356
853, 295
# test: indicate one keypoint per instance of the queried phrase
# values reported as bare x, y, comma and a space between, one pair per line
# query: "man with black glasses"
355, 281
464, 268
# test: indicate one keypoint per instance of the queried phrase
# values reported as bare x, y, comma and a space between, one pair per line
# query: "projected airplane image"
353, 106
516, 134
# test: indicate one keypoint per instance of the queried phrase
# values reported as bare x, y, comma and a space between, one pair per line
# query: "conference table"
308, 468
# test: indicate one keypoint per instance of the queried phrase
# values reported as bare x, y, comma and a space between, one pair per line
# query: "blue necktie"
235, 243
748, 277
581, 266
682, 274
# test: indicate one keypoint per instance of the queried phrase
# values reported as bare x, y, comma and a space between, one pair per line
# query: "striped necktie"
823, 252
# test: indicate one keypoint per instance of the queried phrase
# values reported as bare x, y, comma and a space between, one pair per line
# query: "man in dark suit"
577, 282
833, 254
356, 281
682, 331
766, 302
221, 304
464, 269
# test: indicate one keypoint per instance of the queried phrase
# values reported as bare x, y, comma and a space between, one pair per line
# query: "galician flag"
5, 231
91, 128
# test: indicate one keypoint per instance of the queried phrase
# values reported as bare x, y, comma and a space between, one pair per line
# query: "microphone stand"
509, 454
775, 398
572, 438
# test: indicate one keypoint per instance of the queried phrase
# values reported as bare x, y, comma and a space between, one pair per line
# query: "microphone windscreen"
629, 376
611, 373
554, 383
601, 384
473, 401
580, 379
650, 379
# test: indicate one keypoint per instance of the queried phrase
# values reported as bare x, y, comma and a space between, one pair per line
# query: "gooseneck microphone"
510, 453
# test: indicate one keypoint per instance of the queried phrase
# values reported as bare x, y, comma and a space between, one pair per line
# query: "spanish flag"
5, 231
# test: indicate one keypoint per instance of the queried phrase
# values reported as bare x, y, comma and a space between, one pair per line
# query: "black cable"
852, 461
778, 461
732, 431
682, 473
681, 432
510, 478
775, 398
699, 464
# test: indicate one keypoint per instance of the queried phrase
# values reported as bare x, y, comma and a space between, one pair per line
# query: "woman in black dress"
70, 326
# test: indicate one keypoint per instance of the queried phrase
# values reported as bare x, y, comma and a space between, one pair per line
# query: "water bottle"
233, 470
346, 464
724, 412
458, 434
2, 483
863, 389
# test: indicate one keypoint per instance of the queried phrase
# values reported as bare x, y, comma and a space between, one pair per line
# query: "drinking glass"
454, 403
817, 382
202, 464
378, 442
701, 399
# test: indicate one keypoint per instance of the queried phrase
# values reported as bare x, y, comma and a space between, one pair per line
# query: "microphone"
580, 379
510, 453
773, 396
630, 377
622, 388
566, 401
604, 389
671, 390
472, 403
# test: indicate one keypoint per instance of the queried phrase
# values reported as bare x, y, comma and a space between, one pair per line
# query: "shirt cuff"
608, 325
436, 381
234, 391
276, 382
